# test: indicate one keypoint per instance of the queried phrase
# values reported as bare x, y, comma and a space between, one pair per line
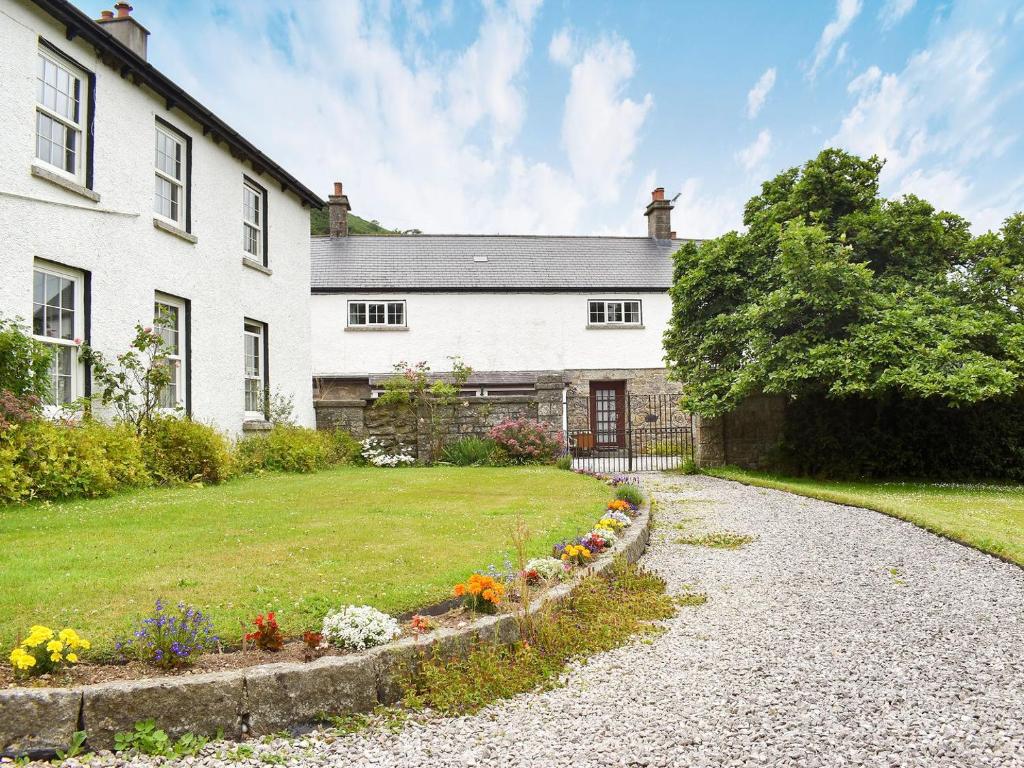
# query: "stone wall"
409, 428
745, 437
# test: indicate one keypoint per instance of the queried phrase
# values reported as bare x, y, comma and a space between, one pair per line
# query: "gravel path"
838, 637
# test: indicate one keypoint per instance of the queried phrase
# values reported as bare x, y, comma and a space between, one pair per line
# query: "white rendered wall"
490, 331
128, 257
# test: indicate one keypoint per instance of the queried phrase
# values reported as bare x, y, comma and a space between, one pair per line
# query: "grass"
718, 540
987, 517
603, 612
298, 544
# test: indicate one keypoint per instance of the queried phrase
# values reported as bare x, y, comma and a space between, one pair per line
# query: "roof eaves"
77, 23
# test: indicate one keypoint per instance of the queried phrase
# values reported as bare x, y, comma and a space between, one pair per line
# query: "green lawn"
298, 544
988, 517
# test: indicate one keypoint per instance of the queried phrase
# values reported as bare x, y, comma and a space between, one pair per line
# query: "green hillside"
319, 225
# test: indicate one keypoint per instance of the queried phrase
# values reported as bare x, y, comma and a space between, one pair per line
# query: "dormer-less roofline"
117, 55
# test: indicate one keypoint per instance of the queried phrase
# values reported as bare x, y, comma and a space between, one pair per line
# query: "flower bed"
101, 708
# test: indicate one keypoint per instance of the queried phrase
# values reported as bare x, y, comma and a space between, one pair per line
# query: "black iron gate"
611, 430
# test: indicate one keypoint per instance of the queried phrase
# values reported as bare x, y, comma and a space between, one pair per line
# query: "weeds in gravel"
719, 540
690, 598
603, 612
388, 718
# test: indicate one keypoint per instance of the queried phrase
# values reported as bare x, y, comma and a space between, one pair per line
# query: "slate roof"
513, 262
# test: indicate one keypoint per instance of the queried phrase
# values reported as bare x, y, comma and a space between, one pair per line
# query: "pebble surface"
838, 637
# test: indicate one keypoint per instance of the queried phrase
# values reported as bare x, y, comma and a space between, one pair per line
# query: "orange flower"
460, 590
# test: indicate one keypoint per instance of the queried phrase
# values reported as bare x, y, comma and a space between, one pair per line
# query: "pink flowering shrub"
523, 441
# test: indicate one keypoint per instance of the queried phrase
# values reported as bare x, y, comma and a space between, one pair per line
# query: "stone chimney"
126, 29
338, 208
659, 216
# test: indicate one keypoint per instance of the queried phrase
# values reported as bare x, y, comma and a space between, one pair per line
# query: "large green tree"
835, 291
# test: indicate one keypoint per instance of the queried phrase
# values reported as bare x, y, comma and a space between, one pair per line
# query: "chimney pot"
124, 10
337, 209
106, 15
658, 194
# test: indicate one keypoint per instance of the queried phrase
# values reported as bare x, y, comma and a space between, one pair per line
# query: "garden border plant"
268, 697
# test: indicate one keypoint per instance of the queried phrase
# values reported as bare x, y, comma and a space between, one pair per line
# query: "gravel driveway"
838, 637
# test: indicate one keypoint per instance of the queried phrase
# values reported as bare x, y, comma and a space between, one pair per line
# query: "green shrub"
347, 449
24, 362
689, 467
288, 448
53, 460
470, 452
630, 493
564, 462
182, 450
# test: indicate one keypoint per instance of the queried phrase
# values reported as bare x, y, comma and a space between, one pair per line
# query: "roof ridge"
532, 237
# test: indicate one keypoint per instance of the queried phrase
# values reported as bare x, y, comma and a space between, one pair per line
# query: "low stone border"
258, 700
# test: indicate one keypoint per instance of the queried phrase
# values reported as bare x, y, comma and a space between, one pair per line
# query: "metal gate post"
629, 431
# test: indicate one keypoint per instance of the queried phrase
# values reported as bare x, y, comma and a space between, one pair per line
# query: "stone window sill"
376, 329
614, 327
253, 264
60, 181
256, 425
170, 229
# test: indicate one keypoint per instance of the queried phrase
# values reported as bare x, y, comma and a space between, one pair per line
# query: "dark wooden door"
608, 413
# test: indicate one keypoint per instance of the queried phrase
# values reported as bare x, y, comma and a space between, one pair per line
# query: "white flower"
609, 537
358, 627
547, 568
374, 452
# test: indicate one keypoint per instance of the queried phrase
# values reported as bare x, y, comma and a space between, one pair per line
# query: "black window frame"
265, 230
90, 125
187, 182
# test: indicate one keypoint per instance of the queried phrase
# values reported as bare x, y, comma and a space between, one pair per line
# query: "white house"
591, 309
122, 199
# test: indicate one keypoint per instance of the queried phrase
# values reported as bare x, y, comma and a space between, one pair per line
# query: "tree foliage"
834, 291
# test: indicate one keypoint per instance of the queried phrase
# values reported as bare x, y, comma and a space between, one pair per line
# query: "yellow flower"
73, 658
55, 646
69, 636
55, 657
21, 660
37, 635
84, 644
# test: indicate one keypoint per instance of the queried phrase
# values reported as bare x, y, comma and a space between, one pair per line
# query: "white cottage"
589, 309
122, 198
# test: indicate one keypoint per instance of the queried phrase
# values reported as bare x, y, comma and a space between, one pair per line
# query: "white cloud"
752, 155
601, 126
893, 12
938, 121
846, 12
421, 137
704, 215
940, 103
561, 49
760, 91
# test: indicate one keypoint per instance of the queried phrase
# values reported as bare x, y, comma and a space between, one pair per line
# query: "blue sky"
560, 116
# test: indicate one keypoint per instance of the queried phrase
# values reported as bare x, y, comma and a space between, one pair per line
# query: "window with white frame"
376, 314
169, 321
169, 200
61, 115
58, 320
255, 368
254, 215
614, 312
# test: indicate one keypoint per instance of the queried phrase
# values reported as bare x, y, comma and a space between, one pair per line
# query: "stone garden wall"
411, 428
746, 437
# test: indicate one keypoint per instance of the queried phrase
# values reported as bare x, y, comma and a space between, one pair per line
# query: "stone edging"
259, 700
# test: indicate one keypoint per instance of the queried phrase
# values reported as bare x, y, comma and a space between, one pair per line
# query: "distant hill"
319, 224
